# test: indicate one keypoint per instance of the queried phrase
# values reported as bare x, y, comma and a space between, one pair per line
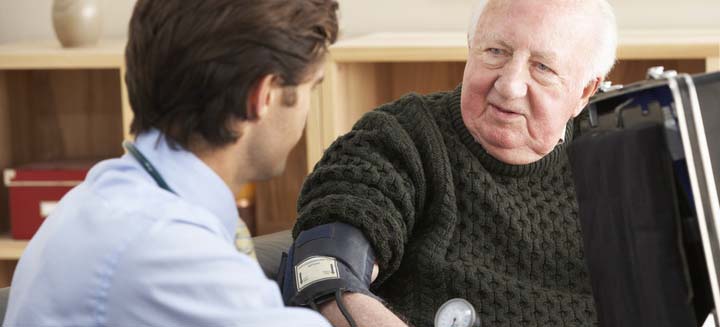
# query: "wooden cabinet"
57, 104
72, 104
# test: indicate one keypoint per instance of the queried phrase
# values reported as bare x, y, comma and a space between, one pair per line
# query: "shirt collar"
190, 178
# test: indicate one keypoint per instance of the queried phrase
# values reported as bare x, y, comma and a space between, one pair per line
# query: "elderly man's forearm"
365, 310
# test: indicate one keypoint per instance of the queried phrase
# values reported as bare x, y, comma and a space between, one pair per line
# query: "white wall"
30, 19
453, 15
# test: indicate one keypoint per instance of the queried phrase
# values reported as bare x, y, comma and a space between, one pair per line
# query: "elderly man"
468, 193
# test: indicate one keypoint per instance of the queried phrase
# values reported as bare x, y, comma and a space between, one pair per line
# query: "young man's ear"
589, 90
258, 100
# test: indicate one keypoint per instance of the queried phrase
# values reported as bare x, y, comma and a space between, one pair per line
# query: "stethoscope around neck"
147, 165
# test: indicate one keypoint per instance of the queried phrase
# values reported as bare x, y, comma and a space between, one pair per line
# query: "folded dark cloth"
632, 229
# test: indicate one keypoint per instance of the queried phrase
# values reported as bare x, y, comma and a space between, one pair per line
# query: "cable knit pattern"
448, 220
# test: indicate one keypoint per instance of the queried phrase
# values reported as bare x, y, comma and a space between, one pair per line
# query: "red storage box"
35, 189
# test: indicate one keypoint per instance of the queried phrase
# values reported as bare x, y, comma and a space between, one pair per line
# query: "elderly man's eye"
495, 51
494, 58
544, 68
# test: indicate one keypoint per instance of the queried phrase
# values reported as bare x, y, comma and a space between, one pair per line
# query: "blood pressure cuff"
324, 260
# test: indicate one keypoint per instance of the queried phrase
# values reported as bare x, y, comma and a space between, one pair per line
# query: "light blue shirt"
120, 251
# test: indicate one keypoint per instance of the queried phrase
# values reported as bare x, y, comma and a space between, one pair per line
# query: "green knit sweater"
448, 220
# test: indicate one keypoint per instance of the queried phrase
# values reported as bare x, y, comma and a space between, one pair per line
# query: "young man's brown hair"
189, 73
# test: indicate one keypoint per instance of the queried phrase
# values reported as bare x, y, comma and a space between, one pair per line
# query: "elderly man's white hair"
604, 58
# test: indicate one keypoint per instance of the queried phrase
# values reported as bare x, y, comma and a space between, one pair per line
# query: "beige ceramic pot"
77, 23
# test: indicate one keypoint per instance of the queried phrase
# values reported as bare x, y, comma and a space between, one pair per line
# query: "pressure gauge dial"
456, 313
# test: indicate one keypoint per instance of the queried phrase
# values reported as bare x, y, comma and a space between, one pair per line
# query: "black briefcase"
646, 164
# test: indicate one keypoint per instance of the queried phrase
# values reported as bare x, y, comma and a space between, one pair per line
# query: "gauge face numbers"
456, 313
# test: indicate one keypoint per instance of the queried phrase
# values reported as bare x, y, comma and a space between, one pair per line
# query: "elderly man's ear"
590, 89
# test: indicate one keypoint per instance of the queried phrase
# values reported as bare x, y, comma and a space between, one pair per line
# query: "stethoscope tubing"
147, 165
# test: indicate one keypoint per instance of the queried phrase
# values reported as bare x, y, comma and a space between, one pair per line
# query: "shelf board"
669, 44
11, 249
50, 55
633, 44
391, 47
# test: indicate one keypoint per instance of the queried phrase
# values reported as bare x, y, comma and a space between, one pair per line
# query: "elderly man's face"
526, 76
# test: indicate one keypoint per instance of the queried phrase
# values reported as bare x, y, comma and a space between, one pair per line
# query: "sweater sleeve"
371, 178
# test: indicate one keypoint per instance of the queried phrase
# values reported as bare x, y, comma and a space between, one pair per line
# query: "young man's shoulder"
118, 187
117, 202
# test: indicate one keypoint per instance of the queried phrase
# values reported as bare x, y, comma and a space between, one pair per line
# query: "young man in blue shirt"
220, 91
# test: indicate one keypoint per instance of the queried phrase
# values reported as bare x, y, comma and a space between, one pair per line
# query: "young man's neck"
223, 161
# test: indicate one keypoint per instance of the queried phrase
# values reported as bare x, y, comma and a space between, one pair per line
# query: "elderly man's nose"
511, 83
